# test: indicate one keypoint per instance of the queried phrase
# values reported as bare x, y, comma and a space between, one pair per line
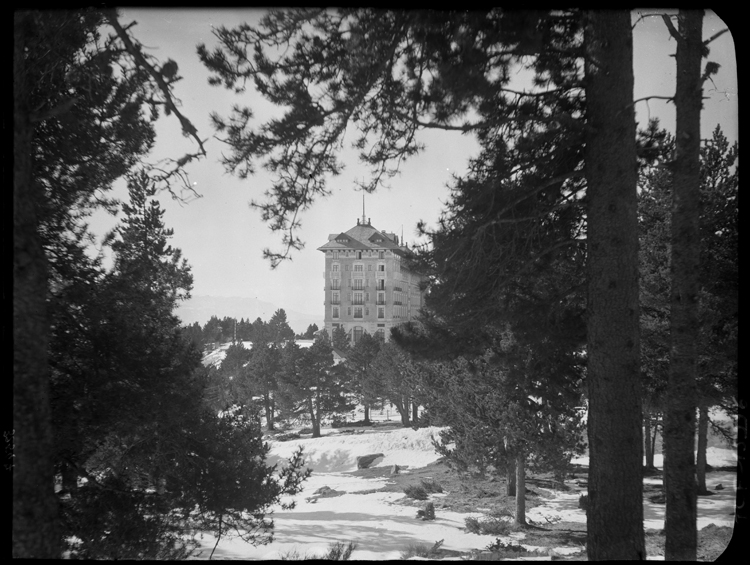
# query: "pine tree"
359, 364
278, 328
310, 384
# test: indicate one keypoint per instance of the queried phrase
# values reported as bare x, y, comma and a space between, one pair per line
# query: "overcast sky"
223, 238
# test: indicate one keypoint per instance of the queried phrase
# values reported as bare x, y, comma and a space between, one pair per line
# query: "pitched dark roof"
363, 236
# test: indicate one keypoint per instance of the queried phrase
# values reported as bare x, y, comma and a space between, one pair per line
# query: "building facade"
369, 286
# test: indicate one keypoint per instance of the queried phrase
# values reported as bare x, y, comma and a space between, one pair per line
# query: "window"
380, 285
357, 333
335, 312
358, 298
336, 284
335, 254
369, 267
359, 267
359, 284
335, 298
358, 311
381, 267
347, 267
335, 267
381, 297
381, 254
359, 255
381, 312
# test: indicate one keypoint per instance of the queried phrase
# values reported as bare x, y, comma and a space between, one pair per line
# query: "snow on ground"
383, 529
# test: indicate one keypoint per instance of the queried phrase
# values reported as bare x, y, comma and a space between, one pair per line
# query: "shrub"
287, 436
490, 526
338, 421
417, 492
421, 550
431, 486
337, 551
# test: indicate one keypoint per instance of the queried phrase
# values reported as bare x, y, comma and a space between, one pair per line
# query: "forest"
582, 265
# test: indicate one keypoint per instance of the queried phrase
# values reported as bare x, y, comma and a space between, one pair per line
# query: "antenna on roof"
364, 219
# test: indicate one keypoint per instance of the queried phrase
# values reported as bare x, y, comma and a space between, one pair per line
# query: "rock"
326, 492
365, 461
719, 487
395, 470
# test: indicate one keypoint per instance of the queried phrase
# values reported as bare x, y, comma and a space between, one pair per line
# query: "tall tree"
278, 328
359, 363
310, 384
262, 370
615, 516
339, 339
679, 426
394, 379
67, 99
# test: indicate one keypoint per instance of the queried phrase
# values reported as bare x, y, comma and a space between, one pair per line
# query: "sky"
223, 238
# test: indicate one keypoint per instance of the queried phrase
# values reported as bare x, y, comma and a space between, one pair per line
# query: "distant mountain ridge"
201, 308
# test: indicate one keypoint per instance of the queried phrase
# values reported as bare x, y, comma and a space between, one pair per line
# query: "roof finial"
364, 219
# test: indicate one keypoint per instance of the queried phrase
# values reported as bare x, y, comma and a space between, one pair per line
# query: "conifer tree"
310, 385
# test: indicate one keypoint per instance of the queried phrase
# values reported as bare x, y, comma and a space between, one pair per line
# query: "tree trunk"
315, 422
414, 412
521, 489
615, 434
647, 443
679, 425
367, 413
35, 530
510, 473
269, 411
700, 470
403, 410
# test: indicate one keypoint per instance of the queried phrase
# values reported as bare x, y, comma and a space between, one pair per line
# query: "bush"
421, 550
416, 492
500, 551
431, 486
337, 551
287, 436
337, 421
491, 526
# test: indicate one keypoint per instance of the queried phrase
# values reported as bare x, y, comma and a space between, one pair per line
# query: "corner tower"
369, 285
